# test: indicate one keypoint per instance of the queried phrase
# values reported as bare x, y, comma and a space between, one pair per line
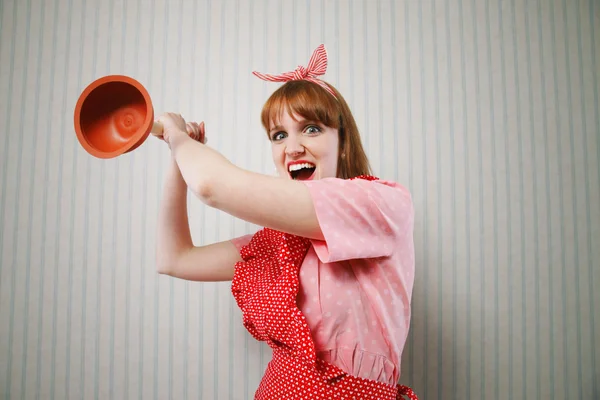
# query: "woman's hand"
196, 131
174, 124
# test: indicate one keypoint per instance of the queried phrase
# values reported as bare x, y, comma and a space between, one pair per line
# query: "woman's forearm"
253, 197
173, 237
202, 168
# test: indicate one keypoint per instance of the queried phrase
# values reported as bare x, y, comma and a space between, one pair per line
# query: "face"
303, 150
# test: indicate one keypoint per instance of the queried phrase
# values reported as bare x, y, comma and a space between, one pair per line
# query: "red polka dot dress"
265, 287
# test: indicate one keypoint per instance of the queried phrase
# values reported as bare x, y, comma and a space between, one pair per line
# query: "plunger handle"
157, 129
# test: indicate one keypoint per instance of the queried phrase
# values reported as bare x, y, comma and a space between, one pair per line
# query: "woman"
327, 283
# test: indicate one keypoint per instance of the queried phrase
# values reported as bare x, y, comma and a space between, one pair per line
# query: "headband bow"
317, 65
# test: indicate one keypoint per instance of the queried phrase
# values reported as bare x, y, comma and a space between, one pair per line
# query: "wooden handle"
157, 129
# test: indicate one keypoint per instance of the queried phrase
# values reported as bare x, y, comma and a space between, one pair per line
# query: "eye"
278, 136
312, 129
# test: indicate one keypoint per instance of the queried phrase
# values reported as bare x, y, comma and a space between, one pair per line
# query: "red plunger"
114, 115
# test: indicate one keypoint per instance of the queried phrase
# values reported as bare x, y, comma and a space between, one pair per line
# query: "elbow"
164, 269
165, 265
205, 190
171, 263
213, 189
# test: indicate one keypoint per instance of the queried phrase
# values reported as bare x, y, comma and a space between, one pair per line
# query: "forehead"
301, 101
287, 119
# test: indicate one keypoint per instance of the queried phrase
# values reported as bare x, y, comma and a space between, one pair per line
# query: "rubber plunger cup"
114, 115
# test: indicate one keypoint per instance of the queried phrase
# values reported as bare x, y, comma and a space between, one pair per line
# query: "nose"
293, 146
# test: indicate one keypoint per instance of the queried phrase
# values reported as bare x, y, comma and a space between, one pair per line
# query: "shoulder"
360, 218
358, 182
380, 192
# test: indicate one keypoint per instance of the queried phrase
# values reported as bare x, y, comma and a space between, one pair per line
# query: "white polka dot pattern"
364, 266
288, 378
265, 287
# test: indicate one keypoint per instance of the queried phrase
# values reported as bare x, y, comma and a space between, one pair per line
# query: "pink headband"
316, 67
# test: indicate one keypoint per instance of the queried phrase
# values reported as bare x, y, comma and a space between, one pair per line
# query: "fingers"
196, 131
192, 130
203, 138
171, 121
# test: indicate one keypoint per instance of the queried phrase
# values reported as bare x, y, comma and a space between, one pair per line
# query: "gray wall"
487, 110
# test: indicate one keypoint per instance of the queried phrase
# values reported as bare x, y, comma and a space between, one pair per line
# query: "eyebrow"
275, 128
299, 122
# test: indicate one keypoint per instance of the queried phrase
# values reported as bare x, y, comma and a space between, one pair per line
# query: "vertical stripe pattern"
487, 111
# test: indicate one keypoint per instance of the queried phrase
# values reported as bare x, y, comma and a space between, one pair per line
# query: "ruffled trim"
265, 286
362, 364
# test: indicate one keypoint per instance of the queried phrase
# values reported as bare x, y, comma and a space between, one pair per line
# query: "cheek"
333, 150
333, 162
278, 157
276, 153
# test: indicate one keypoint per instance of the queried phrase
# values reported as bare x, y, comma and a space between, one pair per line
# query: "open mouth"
302, 172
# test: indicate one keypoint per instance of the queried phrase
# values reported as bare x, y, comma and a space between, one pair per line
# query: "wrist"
176, 137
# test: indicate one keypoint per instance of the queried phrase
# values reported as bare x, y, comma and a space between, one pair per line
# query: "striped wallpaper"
487, 110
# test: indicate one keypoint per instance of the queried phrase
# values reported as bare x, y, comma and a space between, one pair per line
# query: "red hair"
314, 103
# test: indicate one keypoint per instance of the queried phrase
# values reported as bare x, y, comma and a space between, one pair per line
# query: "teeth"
297, 167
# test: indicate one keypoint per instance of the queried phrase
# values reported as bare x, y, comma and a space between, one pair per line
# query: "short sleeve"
241, 241
360, 218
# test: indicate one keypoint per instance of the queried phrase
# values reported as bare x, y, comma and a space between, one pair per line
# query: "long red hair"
314, 103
